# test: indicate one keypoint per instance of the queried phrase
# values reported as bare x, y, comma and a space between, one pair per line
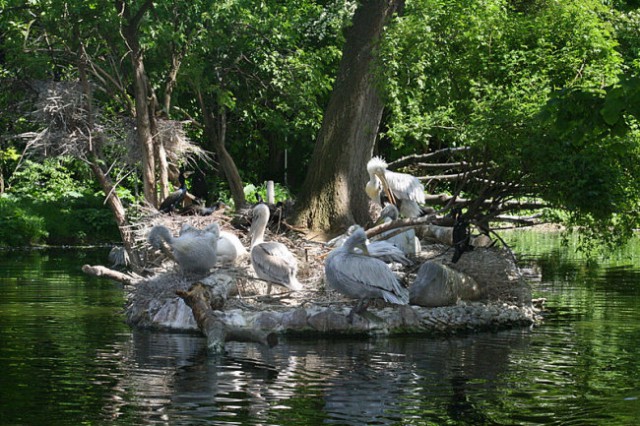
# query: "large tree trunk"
333, 195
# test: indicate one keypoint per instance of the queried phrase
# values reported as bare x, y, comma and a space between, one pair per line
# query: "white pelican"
362, 277
229, 248
402, 189
405, 240
383, 250
272, 261
194, 252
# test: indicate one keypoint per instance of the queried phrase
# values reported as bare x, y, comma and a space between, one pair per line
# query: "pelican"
402, 189
362, 277
229, 248
272, 261
194, 252
174, 199
405, 240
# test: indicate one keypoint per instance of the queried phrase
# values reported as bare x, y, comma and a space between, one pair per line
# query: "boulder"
438, 285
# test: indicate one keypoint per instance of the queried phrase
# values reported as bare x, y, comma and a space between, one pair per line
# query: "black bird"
461, 236
174, 199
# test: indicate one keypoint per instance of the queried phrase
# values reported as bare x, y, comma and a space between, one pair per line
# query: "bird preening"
195, 252
401, 189
352, 272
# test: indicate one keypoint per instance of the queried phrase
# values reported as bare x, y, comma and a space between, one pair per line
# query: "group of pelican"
357, 268
197, 251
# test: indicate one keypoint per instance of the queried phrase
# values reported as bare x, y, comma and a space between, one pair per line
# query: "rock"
439, 285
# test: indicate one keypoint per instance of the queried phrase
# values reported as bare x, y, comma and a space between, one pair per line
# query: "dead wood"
104, 272
206, 303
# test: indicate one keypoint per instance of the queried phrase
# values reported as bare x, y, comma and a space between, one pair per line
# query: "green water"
67, 357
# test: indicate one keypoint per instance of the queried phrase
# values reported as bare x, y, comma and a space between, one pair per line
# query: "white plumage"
194, 252
405, 240
402, 189
359, 276
272, 261
383, 250
229, 248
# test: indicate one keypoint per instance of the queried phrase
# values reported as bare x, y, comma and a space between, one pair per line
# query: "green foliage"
54, 203
538, 89
47, 181
269, 66
587, 159
19, 227
252, 192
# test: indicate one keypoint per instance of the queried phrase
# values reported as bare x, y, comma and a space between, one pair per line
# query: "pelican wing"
359, 276
388, 253
405, 187
273, 262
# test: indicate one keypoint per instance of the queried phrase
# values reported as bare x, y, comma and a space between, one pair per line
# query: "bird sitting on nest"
359, 276
272, 261
194, 252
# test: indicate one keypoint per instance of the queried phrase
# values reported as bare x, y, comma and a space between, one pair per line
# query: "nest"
73, 126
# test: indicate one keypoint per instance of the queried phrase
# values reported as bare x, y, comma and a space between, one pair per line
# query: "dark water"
66, 357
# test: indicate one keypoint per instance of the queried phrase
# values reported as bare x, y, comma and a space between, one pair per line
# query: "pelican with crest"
402, 189
272, 261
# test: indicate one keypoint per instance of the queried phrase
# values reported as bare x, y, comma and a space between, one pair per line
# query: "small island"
483, 290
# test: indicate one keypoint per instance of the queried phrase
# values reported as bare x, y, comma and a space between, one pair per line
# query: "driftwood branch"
206, 303
104, 272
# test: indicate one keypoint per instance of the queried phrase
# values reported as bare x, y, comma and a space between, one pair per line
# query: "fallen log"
206, 302
104, 272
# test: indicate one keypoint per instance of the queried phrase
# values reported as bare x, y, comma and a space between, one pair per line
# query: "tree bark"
333, 195
93, 159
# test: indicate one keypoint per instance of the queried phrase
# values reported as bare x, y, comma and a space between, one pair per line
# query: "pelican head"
358, 239
377, 167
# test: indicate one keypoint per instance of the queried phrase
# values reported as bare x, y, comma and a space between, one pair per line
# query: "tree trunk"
94, 160
215, 128
141, 95
333, 195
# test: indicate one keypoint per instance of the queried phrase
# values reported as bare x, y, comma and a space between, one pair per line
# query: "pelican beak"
385, 186
364, 249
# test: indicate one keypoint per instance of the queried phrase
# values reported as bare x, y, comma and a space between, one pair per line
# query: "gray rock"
438, 285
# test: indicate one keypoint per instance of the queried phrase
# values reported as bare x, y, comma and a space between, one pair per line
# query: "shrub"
18, 227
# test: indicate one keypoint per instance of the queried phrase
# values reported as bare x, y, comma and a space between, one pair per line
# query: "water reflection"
68, 358
171, 378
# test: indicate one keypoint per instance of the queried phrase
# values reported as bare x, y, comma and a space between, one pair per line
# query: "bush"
51, 203
18, 227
